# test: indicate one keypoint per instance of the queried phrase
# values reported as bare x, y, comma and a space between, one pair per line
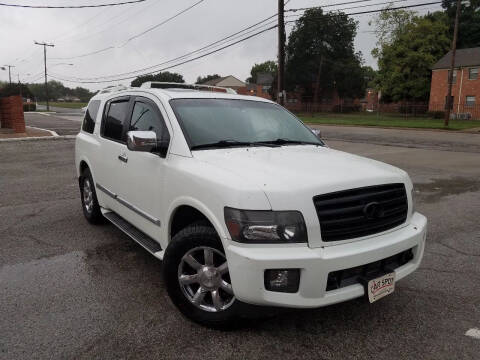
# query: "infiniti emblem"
373, 210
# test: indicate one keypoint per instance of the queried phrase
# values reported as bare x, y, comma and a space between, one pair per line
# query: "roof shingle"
463, 57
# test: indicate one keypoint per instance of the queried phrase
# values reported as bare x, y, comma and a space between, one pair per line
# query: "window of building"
470, 100
90, 116
454, 79
473, 73
115, 119
146, 118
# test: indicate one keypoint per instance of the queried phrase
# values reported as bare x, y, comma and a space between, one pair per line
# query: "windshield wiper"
282, 141
231, 143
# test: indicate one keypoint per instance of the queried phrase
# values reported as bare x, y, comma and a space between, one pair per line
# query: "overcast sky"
81, 31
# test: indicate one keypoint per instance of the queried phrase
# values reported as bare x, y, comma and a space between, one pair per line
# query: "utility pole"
44, 44
452, 65
281, 52
9, 73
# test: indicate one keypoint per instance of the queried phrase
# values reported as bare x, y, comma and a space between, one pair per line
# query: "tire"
194, 240
88, 195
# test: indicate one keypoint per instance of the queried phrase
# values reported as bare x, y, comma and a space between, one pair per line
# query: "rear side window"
115, 120
90, 116
146, 117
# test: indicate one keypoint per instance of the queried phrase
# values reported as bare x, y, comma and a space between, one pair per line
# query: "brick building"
465, 86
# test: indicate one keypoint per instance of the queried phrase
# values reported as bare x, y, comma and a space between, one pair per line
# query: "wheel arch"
191, 207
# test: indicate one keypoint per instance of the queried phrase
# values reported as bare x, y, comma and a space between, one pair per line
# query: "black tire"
192, 237
92, 212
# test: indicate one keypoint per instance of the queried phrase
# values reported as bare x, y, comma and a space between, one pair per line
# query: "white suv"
243, 202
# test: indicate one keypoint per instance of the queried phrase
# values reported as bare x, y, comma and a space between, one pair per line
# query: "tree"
57, 90
162, 76
265, 67
320, 55
469, 22
405, 61
204, 79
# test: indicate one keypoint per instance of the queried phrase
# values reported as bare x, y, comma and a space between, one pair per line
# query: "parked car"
243, 202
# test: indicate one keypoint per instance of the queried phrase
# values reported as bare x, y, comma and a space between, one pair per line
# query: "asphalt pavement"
70, 290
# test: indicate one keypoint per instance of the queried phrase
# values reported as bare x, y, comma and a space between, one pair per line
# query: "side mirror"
317, 133
141, 141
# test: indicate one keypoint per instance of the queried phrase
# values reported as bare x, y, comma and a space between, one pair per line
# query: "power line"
171, 66
71, 6
252, 28
132, 37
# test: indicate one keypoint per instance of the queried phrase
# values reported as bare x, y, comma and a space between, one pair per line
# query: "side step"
139, 236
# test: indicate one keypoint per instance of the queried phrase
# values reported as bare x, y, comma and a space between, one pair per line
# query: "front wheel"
197, 278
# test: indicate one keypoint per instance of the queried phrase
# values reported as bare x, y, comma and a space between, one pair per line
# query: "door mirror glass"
142, 141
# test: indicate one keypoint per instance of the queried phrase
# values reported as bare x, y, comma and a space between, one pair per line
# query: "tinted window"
211, 120
115, 119
473, 73
146, 118
90, 116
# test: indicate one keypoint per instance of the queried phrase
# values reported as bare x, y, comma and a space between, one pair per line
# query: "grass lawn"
387, 121
68, 105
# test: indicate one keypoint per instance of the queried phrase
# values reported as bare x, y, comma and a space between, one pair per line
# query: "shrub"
29, 106
436, 114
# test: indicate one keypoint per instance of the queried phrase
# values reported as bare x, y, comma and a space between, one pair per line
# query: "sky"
78, 32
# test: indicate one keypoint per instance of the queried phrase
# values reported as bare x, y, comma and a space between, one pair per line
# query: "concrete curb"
40, 138
53, 133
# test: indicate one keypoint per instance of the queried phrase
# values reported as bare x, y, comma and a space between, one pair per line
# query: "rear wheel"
90, 206
197, 277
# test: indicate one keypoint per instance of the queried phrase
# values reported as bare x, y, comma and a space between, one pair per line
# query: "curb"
53, 133
40, 138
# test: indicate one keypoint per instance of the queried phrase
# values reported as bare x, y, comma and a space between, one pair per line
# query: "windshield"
229, 122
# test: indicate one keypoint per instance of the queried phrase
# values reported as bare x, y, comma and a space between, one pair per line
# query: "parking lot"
75, 291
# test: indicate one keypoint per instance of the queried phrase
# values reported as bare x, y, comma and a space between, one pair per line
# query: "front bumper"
247, 265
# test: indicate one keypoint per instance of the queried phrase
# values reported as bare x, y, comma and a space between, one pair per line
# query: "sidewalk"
30, 132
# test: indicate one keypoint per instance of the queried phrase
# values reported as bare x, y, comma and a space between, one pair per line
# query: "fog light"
282, 280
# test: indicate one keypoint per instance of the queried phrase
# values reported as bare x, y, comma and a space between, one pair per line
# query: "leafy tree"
320, 55
7, 89
265, 67
405, 61
162, 76
469, 22
57, 90
204, 79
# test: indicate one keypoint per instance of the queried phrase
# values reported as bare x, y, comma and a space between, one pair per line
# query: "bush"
436, 114
29, 106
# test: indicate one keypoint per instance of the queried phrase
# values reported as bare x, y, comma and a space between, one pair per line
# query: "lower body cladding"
400, 251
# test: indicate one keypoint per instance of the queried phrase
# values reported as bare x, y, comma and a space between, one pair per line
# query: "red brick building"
465, 86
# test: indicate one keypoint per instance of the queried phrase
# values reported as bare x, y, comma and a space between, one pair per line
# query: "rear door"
112, 153
144, 173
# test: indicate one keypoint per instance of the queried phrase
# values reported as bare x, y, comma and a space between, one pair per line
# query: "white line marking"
53, 133
474, 333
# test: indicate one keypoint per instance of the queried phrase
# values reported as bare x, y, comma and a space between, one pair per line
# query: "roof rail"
113, 88
173, 85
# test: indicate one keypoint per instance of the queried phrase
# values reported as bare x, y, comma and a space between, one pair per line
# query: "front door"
143, 179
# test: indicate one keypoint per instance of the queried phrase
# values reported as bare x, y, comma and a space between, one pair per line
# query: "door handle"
123, 157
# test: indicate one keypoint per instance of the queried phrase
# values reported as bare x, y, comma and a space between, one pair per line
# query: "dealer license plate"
381, 286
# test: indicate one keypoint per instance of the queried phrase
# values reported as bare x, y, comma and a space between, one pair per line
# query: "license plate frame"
380, 286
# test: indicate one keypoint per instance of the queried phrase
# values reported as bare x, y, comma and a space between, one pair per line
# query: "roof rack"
174, 85
113, 88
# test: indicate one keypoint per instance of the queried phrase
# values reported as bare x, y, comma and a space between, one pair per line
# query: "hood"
300, 171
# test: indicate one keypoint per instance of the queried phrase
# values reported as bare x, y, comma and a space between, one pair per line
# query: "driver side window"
145, 117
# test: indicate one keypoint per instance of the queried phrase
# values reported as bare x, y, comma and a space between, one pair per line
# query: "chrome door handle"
123, 157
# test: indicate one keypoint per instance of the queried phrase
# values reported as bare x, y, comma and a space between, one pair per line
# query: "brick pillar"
18, 120
11, 109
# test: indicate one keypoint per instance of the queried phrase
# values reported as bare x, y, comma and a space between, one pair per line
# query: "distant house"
465, 85
261, 89
229, 81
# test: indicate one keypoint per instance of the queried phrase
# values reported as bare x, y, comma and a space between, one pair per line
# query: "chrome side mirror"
141, 141
317, 133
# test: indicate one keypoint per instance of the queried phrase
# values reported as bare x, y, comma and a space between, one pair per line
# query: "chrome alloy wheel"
204, 279
87, 195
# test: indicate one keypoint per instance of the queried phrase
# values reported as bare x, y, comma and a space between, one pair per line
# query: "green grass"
67, 105
387, 121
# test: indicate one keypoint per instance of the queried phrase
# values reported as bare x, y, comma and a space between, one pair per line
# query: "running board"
139, 236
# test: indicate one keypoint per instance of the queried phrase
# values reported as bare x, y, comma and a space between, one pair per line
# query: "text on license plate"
381, 286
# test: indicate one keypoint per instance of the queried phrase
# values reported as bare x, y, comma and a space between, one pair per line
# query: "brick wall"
11, 113
463, 87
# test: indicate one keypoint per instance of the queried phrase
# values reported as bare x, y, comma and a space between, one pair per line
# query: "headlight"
265, 227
